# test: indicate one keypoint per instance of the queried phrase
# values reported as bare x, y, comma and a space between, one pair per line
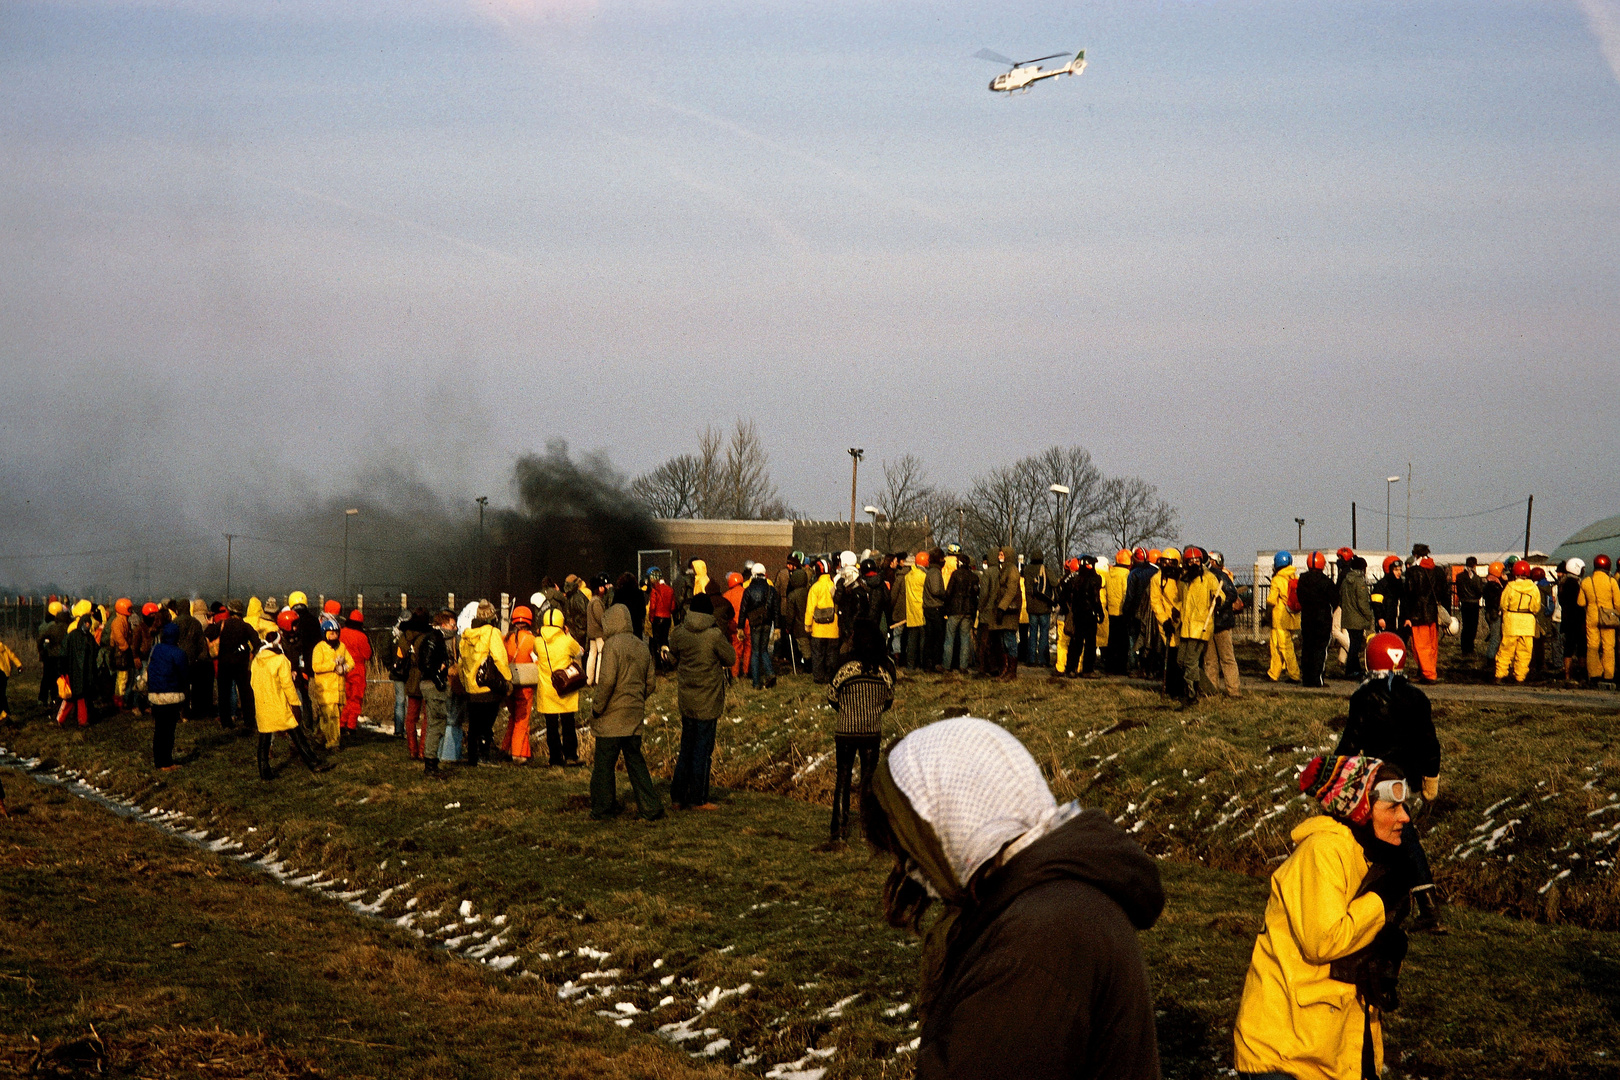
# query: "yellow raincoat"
480, 643
256, 618
1198, 599
1520, 602
1294, 1017
274, 696
329, 664
915, 580
1165, 596
554, 648
821, 596
1598, 593
1283, 625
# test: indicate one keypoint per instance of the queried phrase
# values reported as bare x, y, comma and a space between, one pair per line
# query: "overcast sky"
1260, 254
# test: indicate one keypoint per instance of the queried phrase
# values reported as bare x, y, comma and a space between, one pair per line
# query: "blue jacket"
166, 668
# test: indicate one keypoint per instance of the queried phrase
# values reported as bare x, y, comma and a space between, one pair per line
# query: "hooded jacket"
1295, 1018
915, 583
702, 655
625, 679
238, 641
1199, 598
1277, 599
821, 597
962, 594
329, 663
1391, 720
79, 660
1045, 976
1008, 602
482, 642
759, 603
1038, 587
1597, 592
1318, 596
1520, 602
1355, 601
555, 648
192, 638
166, 670
274, 696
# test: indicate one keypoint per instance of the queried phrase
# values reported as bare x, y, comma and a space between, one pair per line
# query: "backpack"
1291, 601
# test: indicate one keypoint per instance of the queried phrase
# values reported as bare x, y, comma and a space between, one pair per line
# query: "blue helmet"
328, 624
1280, 560
653, 571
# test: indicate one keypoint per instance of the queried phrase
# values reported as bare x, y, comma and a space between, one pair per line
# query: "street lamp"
1063, 524
855, 455
347, 514
874, 511
1300, 544
1388, 481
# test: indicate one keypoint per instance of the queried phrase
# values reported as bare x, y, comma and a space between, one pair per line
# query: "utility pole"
1352, 524
1408, 506
1528, 509
347, 514
1389, 481
483, 555
855, 455
229, 538
1300, 522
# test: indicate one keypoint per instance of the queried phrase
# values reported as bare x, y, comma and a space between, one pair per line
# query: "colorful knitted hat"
1342, 785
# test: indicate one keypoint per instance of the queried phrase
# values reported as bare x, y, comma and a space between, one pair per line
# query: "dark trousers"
1117, 653
235, 674
846, 749
823, 658
47, 680
914, 646
1190, 654
1082, 655
5, 705
1356, 653
301, 744
991, 658
481, 714
301, 684
200, 699
933, 654
759, 655
164, 717
604, 786
658, 629
1313, 647
562, 737
690, 786
1470, 627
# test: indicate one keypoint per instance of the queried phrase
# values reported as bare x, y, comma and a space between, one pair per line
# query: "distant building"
1599, 538
726, 544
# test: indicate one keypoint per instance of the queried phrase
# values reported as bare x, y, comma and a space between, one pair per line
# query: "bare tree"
906, 495
1014, 504
1132, 513
726, 478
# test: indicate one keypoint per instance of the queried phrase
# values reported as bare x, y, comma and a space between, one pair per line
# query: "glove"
1431, 788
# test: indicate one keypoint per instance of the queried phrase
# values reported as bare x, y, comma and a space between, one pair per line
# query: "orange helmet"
1345, 555
1072, 565
1122, 557
1497, 569
922, 559
1153, 555
1317, 561
287, 619
1391, 561
149, 609
123, 606
521, 614
733, 579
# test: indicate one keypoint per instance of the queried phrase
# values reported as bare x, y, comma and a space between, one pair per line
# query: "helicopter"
1023, 75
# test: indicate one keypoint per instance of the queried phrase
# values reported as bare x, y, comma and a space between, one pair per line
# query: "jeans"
759, 660
1009, 644
823, 659
399, 708
846, 749
1192, 666
914, 646
958, 642
1493, 636
1040, 640
604, 786
690, 785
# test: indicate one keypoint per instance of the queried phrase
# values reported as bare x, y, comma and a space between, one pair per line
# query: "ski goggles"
1394, 791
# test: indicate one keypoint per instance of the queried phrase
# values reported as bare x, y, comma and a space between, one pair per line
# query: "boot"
1009, 672
264, 758
1428, 913
432, 770
306, 751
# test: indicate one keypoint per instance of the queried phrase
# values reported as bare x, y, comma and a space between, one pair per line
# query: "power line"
77, 554
1452, 517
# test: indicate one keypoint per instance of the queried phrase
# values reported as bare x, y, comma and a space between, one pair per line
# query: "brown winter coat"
625, 678
1009, 592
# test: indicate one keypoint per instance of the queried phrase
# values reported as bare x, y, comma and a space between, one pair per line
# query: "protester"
436, 659
701, 656
329, 666
1428, 589
1136, 602
120, 650
1200, 594
1574, 617
1006, 604
557, 652
1324, 969
1220, 659
1121, 625
1355, 612
628, 593
522, 654
298, 642
1034, 969
78, 667
9, 666
485, 687
731, 621
1283, 600
1470, 591
1600, 597
276, 705
1164, 597
1040, 594
821, 624
1388, 595
1081, 602
355, 639
595, 608
860, 693
961, 606
49, 640
1520, 602
238, 644
912, 585
1392, 720
660, 612
625, 680
933, 609
408, 667
759, 611
1318, 599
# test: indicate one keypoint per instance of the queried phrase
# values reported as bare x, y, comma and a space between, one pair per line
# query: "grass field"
769, 952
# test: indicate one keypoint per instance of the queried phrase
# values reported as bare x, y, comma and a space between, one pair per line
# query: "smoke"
1603, 17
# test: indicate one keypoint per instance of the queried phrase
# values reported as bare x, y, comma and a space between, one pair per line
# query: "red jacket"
660, 601
358, 644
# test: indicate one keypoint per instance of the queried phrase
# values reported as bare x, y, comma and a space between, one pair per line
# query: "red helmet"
1192, 553
1601, 563
733, 579
149, 609
332, 607
1317, 561
1386, 652
287, 620
1072, 565
1345, 554
1138, 555
1391, 561
1537, 574
1521, 569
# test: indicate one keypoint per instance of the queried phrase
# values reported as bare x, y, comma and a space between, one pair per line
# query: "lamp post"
1063, 524
874, 511
347, 514
855, 455
1300, 524
1389, 482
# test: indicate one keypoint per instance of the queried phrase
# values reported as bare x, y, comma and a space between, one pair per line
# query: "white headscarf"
464, 621
978, 788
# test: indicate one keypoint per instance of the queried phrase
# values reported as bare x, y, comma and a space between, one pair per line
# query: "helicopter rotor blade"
1038, 59
986, 54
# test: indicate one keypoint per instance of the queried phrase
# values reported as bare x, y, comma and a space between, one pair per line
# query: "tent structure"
1600, 537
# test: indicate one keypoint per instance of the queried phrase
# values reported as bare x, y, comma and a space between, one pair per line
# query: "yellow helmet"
54, 608
296, 597
1171, 554
82, 608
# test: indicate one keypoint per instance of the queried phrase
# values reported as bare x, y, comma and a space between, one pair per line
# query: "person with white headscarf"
1033, 970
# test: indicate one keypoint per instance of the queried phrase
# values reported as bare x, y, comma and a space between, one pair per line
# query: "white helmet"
847, 558
1575, 566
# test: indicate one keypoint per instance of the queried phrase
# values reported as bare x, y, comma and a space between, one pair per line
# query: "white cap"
759, 569
847, 558
1575, 566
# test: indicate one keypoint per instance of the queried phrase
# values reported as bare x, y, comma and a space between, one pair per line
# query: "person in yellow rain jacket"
9, 666
329, 664
261, 621
1200, 590
1284, 619
1320, 977
481, 642
821, 623
1164, 600
1520, 602
276, 706
1600, 596
554, 650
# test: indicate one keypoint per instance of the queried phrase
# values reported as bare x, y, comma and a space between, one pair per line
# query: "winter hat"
1343, 785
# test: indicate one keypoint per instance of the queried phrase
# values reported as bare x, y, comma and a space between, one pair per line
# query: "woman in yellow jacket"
1200, 589
821, 623
480, 642
1322, 970
555, 649
329, 664
1284, 619
1600, 595
276, 706
1520, 602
